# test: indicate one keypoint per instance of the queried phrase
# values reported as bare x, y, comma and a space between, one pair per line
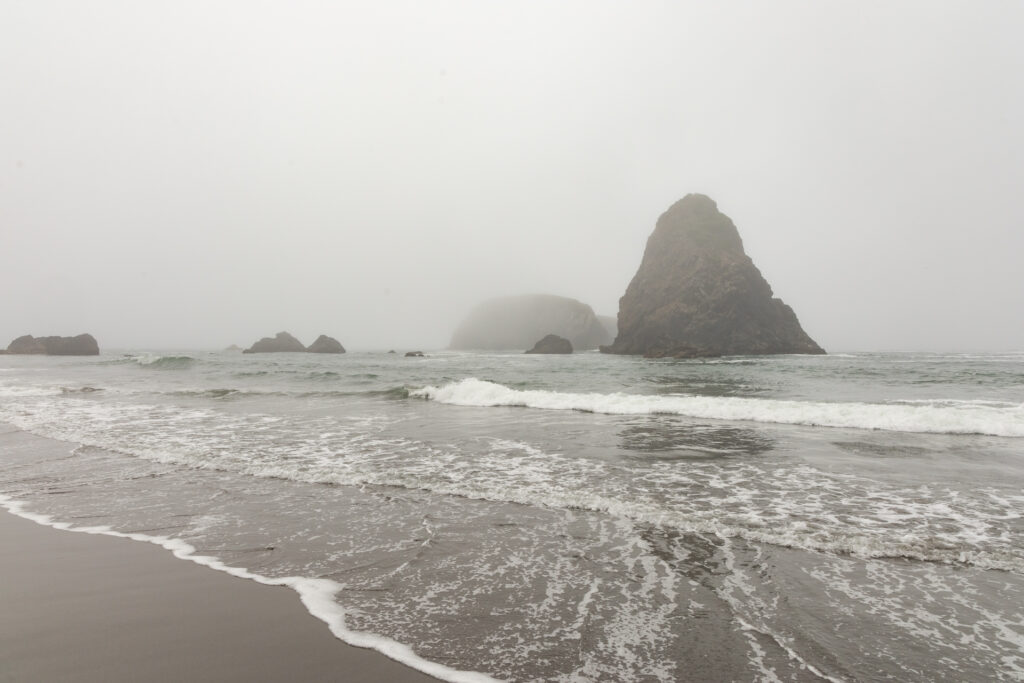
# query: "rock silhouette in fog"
516, 322
552, 344
82, 345
281, 343
697, 293
325, 344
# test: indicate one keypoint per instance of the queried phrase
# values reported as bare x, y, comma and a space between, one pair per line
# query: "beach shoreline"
87, 607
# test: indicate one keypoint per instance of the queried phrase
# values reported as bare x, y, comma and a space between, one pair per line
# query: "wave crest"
165, 362
937, 417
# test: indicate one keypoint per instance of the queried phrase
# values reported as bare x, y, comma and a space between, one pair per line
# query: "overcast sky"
196, 174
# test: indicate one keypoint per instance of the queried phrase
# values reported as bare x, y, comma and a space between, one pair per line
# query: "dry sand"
79, 607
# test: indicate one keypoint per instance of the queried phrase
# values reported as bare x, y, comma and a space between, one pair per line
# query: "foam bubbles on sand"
318, 595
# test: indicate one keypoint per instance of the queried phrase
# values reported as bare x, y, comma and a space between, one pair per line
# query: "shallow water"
587, 517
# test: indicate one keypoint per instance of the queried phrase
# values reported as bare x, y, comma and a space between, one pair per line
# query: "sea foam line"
972, 418
317, 595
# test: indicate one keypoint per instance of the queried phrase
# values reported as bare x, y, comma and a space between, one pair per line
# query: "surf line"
317, 595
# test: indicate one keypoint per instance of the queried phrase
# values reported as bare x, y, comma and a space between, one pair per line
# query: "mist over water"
586, 516
176, 179
210, 175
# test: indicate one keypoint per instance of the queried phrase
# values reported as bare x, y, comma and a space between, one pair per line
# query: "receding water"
584, 517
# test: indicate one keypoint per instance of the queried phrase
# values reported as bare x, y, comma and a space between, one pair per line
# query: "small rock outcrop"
414, 354
82, 345
281, 343
698, 294
325, 344
233, 347
516, 322
552, 344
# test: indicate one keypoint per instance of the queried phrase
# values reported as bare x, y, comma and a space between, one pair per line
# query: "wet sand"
80, 607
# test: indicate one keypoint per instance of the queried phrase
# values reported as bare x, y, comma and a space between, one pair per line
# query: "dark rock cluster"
283, 342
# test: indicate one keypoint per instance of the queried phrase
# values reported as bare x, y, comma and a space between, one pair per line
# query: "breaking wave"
165, 362
992, 418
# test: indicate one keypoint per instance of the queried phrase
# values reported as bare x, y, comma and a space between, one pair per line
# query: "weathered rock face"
552, 344
697, 293
517, 322
325, 344
26, 344
281, 343
82, 345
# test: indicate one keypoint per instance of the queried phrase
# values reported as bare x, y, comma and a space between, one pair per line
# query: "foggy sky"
196, 174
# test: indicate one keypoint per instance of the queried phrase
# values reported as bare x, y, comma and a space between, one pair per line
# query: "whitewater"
490, 516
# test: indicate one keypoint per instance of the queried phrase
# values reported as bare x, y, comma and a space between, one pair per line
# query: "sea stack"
280, 343
82, 345
698, 294
325, 344
516, 322
552, 344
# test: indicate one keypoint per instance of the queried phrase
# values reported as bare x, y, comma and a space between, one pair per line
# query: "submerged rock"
281, 343
552, 344
414, 354
698, 294
82, 345
516, 322
325, 344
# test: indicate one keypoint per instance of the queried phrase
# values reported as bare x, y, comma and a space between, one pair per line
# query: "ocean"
478, 516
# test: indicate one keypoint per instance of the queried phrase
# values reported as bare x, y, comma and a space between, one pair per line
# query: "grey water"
852, 517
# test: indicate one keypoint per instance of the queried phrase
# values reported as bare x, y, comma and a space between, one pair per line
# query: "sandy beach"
79, 607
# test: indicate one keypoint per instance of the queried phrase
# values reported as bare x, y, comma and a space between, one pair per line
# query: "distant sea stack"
516, 322
281, 343
698, 294
82, 345
325, 344
552, 344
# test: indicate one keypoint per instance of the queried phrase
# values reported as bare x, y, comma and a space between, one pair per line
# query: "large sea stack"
82, 345
516, 322
698, 294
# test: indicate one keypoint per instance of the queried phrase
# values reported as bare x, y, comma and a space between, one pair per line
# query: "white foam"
787, 506
317, 595
969, 417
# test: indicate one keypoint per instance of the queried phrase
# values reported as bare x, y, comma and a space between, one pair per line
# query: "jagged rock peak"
697, 293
